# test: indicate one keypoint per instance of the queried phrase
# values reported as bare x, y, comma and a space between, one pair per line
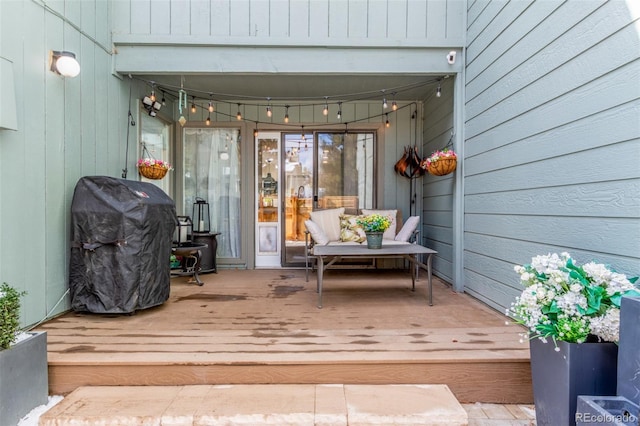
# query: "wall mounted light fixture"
64, 63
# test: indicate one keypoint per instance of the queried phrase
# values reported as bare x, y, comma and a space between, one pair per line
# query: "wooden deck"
263, 327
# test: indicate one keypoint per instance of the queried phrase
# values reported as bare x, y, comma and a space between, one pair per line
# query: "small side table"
208, 257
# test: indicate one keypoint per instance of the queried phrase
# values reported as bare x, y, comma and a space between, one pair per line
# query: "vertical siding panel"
455, 13
358, 18
88, 17
56, 208
280, 19
200, 17
101, 83
73, 12
319, 19
121, 17
436, 19
338, 19
103, 23
377, 19
87, 113
416, 20
140, 16
180, 17
299, 19
220, 18
259, 15
239, 18
30, 203
161, 17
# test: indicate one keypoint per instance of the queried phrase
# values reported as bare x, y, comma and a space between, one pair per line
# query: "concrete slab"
258, 405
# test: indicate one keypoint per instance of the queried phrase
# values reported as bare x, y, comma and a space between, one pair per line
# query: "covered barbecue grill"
121, 236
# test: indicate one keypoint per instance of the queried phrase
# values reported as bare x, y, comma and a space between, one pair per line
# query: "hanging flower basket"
440, 163
153, 169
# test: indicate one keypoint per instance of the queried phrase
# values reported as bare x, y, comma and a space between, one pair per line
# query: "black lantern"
200, 215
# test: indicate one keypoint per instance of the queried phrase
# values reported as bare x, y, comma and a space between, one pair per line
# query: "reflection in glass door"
323, 170
299, 193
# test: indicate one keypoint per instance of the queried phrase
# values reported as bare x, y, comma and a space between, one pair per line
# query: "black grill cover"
121, 235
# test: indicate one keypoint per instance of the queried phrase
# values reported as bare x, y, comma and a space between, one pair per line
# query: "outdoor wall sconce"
151, 106
64, 63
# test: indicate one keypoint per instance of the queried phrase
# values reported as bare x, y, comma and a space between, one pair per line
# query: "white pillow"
316, 233
407, 229
390, 233
329, 221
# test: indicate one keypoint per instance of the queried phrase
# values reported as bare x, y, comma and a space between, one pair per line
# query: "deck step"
259, 405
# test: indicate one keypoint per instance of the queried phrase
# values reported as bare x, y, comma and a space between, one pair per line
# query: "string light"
210, 104
153, 93
255, 131
303, 136
208, 121
164, 102
387, 124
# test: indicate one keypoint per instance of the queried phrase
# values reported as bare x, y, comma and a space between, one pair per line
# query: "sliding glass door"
323, 170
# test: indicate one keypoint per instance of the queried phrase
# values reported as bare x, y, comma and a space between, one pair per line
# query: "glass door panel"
345, 171
298, 193
268, 199
323, 170
212, 172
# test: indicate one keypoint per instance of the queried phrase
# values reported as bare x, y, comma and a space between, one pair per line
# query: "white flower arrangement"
566, 302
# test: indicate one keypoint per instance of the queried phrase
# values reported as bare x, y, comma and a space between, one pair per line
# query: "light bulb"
193, 108
387, 122
269, 112
384, 103
208, 121
210, 106
325, 111
286, 118
394, 106
182, 120
239, 116
164, 102
255, 132
153, 95
439, 91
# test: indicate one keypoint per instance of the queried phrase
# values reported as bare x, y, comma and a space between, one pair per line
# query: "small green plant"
9, 314
374, 223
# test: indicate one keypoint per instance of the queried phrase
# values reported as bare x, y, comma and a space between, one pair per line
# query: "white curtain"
212, 172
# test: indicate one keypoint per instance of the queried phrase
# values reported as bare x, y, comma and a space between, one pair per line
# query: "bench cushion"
318, 235
407, 229
329, 221
390, 233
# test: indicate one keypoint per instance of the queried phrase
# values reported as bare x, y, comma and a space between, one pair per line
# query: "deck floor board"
263, 325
